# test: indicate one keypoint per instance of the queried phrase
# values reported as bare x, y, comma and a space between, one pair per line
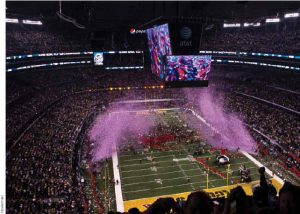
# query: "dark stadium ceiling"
134, 13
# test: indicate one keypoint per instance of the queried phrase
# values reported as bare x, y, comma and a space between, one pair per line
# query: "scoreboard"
119, 60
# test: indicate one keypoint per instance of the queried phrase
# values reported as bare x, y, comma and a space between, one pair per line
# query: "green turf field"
104, 190
174, 171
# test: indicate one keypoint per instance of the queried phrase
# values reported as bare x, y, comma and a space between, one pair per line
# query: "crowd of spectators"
258, 40
38, 177
39, 164
40, 173
281, 97
41, 39
20, 40
281, 126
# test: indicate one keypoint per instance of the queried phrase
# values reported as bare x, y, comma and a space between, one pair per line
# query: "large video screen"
98, 58
159, 46
187, 68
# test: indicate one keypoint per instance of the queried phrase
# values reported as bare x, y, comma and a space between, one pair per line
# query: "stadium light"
30, 22
273, 20
8, 20
291, 15
232, 25
257, 24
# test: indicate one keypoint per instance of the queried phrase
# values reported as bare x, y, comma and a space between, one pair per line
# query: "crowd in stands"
283, 98
39, 165
30, 94
284, 126
40, 169
20, 40
39, 178
281, 126
258, 40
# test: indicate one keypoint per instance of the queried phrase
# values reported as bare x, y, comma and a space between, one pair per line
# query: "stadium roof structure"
135, 13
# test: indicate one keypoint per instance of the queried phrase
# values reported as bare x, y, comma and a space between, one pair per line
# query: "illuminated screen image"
159, 46
98, 58
187, 68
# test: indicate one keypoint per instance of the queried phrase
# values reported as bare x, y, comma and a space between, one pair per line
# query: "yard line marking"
165, 173
183, 172
206, 156
158, 152
156, 167
175, 166
169, 179
158, 188
194, 163
145, 159
144, 163
183, 184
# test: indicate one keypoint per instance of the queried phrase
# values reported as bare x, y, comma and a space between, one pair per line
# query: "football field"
176, 171
154, 165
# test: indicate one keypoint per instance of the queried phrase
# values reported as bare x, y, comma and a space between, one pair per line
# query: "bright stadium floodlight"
291, 15
232, 25
246, 24
30, 22
273, 20
257, 24
12, 20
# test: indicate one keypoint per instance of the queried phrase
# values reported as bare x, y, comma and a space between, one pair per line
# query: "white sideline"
268, 171
250, 157
118, 189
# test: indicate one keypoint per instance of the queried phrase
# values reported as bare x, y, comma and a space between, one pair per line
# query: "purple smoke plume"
110, 127
233, 133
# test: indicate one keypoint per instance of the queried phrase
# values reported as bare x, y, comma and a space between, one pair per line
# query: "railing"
238, 53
